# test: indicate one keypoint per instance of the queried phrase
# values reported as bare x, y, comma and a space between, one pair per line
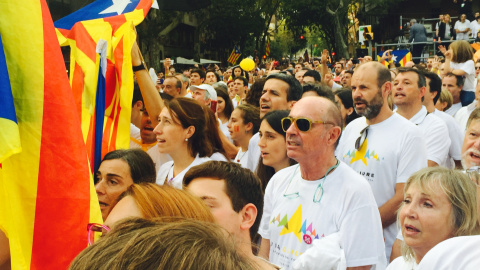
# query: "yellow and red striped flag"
267, 50
399, 56
47, 196
105, 109
234, 55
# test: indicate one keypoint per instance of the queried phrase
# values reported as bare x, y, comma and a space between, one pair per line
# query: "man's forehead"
275, 84
309, 107
474, 125
410, 75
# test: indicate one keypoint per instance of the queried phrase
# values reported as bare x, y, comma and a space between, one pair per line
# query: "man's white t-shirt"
474, 28
456, 138
434, 131
462, 115
393, 150
253, 152
454, 109
165, 174
469, 76
347, 206
462, 27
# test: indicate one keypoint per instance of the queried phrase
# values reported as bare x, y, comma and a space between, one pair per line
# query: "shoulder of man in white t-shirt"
455, 134
253, 153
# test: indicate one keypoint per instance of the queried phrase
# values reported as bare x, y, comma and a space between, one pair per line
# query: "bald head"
322, 107
383, 74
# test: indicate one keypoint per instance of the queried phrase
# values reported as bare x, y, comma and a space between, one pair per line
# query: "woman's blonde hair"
164, 201
462, 51
162, 244
446, 96
461, 193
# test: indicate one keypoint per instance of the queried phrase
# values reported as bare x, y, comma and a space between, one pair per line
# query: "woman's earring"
186, 140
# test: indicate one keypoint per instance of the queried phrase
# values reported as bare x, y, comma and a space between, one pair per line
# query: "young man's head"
433, 88
454, 85
408, 87
280, 92
311, 76
234, 195
197, 76
240, 86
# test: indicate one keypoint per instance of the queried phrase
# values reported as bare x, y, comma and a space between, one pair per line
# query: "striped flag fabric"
234, 56
105, 114
399, 56
267, 49
47, 196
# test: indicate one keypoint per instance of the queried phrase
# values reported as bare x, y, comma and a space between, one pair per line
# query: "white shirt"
393, 150
224, 129
434, 131
462, 27
454, 109
400, 264
253, 152
165, 174
469, 76
462, 115
474, 28
241, 158
347, 206
456, 138
461, 252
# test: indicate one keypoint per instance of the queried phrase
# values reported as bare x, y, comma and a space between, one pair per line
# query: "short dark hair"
142, 168
250, 114
137, 94
320, 89
313, 73
256, 89
214, 72
346, 71
200, 73
241, 185
294, 91
245, 81
435, 84
460, 80
421, 77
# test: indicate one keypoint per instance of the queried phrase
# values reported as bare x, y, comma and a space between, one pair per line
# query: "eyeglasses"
303, 124
95, 231
474, 175
318, 195
361, 139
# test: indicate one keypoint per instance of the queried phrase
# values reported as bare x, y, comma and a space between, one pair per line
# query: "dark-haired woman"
243, 123
343, 98
273, 146
118, 170
181, 134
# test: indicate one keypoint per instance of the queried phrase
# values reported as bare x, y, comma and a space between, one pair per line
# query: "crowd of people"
302, 166
298, 165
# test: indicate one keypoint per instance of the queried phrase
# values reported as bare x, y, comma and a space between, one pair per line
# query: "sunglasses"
361, 139
303, 124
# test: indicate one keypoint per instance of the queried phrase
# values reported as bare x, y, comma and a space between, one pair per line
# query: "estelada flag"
105, 128
47, 196
267, 49
399, 56
234, 55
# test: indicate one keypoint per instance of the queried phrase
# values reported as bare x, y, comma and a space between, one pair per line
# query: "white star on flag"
394, 58
118, 7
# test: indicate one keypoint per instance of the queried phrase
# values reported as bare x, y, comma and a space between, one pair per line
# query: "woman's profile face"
170, 134
343, 111
272, 146
112, 179
426, 218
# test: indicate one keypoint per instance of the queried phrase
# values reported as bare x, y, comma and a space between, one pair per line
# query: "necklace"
169, 181
239, 157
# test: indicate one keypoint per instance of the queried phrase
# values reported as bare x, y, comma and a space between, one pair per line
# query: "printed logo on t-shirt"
363, 154
296, 225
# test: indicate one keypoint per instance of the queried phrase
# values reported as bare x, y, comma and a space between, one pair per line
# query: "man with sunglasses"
280, 92
382, 146
319, 196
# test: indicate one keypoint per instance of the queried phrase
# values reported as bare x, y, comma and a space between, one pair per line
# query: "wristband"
139, 67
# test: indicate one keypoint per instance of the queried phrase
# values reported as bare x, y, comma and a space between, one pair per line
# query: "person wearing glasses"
382, 146
320, 195
471, 148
